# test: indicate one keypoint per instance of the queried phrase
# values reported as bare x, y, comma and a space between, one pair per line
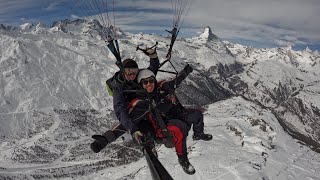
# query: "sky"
257, 23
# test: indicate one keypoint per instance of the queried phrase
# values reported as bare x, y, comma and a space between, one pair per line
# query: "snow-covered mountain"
53, 98
285, 81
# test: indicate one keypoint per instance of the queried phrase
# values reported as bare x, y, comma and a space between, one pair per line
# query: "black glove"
99, 143
188, 69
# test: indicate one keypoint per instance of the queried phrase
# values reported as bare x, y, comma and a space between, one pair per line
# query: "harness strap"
132, 104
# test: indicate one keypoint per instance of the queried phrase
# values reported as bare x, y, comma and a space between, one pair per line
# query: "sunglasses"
131, 72
146, 81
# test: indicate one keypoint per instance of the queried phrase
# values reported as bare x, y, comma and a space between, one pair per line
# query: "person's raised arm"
170, 85
154, 60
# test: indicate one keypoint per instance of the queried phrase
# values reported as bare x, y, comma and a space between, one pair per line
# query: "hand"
137, 136
151, 53
188, 69
99, 143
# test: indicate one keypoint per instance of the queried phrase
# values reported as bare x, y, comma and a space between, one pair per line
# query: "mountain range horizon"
261, 105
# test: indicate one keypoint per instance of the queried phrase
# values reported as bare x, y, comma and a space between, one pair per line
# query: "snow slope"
248, 143
284, 80
53, 98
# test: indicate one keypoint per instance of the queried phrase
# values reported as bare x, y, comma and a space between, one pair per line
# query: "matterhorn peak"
40, 25
26, 26
40, 29
307, 49
207, 34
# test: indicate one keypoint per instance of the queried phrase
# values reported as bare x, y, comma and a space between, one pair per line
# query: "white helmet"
145, 73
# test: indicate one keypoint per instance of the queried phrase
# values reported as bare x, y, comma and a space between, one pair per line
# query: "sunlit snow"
53, 98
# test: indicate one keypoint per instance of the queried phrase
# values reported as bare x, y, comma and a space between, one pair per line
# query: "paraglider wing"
98, 10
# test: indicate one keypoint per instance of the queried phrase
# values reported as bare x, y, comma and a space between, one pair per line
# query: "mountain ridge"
53, 98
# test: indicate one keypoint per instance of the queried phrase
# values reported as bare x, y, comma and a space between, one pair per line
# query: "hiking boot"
205, 137
185, 164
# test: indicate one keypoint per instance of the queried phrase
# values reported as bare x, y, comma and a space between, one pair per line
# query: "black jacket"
121, 96
164, 99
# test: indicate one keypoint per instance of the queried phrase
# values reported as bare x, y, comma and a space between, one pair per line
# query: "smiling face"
130, 73
148, 84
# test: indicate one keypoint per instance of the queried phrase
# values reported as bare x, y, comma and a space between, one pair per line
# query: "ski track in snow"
217, 159
72, 70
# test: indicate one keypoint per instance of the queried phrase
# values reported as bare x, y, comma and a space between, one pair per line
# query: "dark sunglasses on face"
131, 73
146, 81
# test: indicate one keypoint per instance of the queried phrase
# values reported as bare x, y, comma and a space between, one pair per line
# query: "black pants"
115, 133
194, 117
191, 116
144, 126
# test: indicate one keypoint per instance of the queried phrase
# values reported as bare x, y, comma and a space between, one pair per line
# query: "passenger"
122, 87
157, 94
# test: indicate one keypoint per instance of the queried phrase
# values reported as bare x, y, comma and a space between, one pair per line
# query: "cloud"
260, 20
74, 16
274, 22
14, 11
52, 6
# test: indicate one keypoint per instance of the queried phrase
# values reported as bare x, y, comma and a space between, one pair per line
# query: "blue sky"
258, 23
